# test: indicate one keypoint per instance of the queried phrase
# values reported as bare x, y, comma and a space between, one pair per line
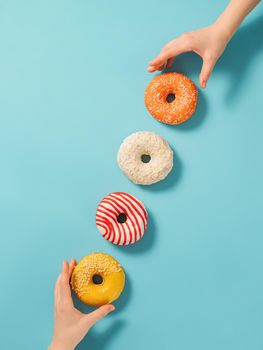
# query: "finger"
160, 68
151, 69
169, 63
154, 68
98, 314
65, 273
178, 48
207, 68
72, 264
63, 290
57, 293
56, 284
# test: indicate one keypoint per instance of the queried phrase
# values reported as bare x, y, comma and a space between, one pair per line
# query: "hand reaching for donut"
71, 325
209, 42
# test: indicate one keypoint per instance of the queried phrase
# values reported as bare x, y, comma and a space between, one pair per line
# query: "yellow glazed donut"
98, 279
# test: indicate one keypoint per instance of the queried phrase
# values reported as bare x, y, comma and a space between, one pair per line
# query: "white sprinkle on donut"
145, 158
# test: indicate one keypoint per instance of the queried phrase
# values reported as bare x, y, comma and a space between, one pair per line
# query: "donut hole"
122, 218
97, 279
170, 97
145, 158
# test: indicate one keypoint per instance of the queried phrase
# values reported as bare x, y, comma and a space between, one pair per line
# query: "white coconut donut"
145, 157
121, 218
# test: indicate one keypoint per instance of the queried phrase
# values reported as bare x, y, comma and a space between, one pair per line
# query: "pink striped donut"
121, 218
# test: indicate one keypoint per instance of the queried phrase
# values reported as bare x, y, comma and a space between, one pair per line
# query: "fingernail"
111, 308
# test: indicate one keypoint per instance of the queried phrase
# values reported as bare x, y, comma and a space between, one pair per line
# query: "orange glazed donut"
171, 98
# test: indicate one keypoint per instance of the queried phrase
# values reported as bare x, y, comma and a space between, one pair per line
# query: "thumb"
96, 315
207, 68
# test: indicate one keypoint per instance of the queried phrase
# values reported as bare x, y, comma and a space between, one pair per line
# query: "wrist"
224, 32
59, 346
233, 15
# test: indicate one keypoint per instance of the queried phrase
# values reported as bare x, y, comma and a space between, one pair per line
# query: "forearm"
234, 14
58, 347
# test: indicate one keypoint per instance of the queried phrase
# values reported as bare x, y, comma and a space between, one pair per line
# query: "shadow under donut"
126, 295
100, 340
237, 61
120, 303
144, 244
171, 180
198, 117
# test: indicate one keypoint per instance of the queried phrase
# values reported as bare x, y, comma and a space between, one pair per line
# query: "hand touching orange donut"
209, 42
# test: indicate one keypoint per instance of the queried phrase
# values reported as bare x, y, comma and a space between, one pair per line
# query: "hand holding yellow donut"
98, 279
70, 324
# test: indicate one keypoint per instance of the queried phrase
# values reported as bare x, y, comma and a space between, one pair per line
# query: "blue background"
72, 79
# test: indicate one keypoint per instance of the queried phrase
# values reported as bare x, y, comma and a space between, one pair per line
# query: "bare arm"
234, 14
71, 325
209, 42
